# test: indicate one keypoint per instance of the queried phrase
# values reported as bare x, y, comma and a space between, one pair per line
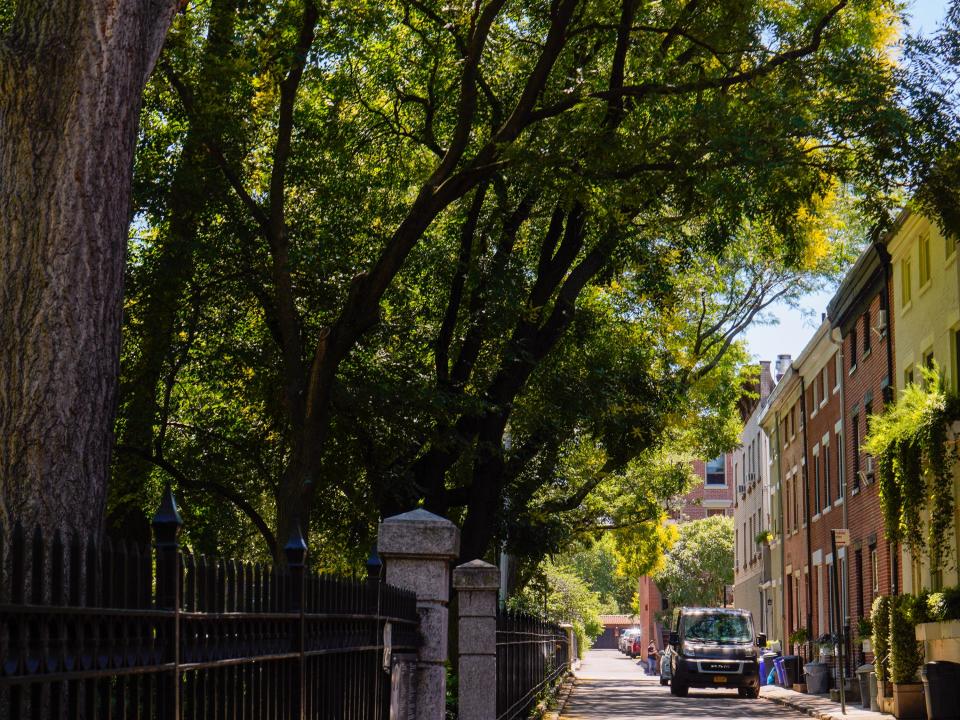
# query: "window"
837, 370
816, 480
840, 474
858, 564
855, 439
716, 472
825, 383
828, 491
866, 332
923, 264
905, 282
874, 572
928, 359
853, 346
908, 376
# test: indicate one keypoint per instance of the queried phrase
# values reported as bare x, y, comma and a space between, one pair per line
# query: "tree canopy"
490, 258
699, 565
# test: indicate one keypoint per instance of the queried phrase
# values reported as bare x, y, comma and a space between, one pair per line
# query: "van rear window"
720, 628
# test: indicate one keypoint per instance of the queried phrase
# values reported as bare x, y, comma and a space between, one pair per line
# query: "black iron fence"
531, 656
113, 631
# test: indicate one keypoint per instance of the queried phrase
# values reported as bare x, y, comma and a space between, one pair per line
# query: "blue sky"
796, 326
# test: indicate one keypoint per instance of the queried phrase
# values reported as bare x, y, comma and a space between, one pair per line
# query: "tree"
557, 594
418, 283
71, 77
699, 566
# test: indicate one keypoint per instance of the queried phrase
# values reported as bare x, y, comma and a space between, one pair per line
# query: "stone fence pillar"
477, 583
417, 548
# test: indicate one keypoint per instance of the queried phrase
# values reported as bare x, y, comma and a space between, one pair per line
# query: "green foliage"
598, 565
906, 654
538, 387
864, 628
556, 593
915, 466
944, 605
799, 636
699, 565
880, 619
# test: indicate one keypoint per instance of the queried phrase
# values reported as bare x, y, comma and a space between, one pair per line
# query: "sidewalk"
818, 706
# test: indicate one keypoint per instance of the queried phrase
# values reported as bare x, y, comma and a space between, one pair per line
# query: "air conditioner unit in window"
751, 477
870, 467
881, 326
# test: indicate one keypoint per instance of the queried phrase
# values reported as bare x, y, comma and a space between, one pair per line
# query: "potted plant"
880, 620
864, 632
764, 537
827, 644
941, 637
906, 656
798, 638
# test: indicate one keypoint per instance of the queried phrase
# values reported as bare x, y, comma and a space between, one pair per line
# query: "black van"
715, 648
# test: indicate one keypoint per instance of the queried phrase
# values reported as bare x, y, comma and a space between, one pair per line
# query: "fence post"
417, 548
296, 552
166, 527
477, 584
572, 650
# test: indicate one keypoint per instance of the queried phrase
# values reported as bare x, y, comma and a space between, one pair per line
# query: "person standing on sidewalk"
652, 655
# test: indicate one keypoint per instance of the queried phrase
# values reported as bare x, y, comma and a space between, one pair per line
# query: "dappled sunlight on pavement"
611, 686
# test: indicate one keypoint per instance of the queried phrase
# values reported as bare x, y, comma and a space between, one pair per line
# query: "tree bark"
71, 77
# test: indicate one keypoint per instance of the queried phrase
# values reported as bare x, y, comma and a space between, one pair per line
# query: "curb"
802, 708
562, 696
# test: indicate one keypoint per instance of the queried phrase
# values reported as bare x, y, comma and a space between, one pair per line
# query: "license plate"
719, 678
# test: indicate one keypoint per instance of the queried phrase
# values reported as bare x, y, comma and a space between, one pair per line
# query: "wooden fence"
112, 631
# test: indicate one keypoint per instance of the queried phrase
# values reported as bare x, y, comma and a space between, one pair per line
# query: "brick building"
859, 314
821, 469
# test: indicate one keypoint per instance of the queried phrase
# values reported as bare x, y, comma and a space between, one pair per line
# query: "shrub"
944, 605
798, 637
906, 654
864, 628
880, 619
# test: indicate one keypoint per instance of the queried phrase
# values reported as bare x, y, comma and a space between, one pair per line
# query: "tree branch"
211, 487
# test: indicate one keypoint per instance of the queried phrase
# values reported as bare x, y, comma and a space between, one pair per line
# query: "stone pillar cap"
418, 533
476, 574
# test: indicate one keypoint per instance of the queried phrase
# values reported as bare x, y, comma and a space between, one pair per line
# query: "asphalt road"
611, 686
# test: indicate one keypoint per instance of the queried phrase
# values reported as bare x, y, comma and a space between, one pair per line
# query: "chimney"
783, 364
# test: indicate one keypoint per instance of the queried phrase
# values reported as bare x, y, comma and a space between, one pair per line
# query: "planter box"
909, 702
800, 687
941, 640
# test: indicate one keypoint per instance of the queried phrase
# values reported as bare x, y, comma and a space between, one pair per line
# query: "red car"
636, 647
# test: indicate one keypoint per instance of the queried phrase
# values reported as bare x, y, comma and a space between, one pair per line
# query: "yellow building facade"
926, 322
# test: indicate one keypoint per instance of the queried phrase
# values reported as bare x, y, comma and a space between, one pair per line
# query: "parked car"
626, 640
716, 648
636, 646
665, 657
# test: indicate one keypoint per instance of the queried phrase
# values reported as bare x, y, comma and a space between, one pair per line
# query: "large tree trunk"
71, 77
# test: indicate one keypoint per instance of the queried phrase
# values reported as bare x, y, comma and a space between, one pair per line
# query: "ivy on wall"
915, 466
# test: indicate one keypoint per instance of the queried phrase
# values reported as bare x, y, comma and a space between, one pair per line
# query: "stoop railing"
531, 655
113, 631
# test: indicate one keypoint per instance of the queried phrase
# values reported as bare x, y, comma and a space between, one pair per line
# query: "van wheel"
678, 690
748, 692
664, 681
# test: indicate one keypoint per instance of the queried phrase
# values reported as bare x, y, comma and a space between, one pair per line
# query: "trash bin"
791, 665
818, 678
766, 665
940, 681
863, 675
